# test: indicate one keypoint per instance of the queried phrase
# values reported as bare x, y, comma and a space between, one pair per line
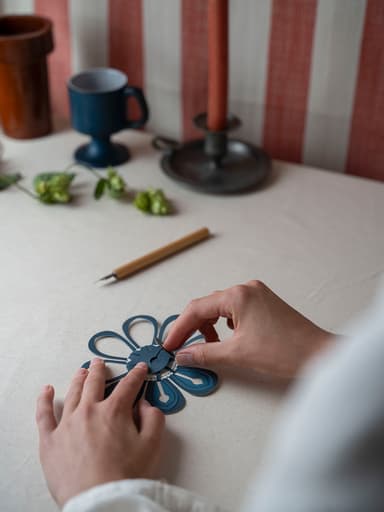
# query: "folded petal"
197, 381
165, 396
166, 324
127, 325
92, 345
164, 327
193, 339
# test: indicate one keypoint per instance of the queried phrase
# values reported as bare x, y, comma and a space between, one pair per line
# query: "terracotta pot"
25, 42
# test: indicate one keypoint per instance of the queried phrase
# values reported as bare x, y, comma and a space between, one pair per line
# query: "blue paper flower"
165, 377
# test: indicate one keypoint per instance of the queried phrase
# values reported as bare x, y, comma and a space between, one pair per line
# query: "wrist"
65, 494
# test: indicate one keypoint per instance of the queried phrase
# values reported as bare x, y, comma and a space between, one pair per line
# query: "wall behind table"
306, 76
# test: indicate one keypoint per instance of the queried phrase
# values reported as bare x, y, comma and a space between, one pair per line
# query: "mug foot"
96, 156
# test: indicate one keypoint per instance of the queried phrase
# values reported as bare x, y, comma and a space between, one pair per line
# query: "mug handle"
138, 94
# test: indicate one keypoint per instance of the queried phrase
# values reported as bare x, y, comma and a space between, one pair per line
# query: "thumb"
205, 354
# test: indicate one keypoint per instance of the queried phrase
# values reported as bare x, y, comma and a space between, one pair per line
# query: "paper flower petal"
197, 381
164, 327
194, 339
127, 325
92, 345
165, 396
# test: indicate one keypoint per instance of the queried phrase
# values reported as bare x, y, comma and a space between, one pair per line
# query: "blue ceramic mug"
98, 101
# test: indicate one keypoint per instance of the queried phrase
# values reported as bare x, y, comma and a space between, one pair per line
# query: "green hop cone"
61, 197
159, 203
46, 198
115, 184
41, 187
116, 187
53, 187
153, 201
142, 201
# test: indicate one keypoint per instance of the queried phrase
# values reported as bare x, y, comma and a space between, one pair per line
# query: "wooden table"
315, 237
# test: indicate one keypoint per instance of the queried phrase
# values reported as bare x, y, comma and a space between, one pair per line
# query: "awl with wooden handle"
158, 254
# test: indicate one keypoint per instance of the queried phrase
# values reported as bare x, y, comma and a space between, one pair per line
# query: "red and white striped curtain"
306, 76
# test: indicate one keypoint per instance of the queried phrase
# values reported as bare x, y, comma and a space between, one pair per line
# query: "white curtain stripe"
17, 7
162, 65
89, 33
249, 41
335, 63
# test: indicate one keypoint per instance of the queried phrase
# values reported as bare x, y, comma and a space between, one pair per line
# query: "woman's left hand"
97, 440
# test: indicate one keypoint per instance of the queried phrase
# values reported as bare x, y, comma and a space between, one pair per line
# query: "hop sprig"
54, 187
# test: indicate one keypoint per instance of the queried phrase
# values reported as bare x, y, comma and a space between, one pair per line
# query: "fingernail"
47, 388
141, 366
184, 358
96, 361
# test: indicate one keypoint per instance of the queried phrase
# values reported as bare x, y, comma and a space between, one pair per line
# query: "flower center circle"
156, 358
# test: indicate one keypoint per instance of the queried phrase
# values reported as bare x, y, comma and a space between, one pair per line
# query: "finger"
197, 314
152, 422
75, 390
93, 390
206, 354
209, 332
45, 418
125, 393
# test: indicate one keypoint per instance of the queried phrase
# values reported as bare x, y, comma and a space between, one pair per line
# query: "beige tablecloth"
315, 237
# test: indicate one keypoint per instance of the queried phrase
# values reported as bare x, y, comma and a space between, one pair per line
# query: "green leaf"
6, 180
100, 187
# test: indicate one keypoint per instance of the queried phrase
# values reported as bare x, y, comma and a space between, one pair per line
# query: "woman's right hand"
269, 336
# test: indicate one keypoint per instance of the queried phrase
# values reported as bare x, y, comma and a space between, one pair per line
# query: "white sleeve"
328, 450
138, 496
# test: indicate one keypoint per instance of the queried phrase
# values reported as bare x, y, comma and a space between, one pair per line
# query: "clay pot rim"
47, 26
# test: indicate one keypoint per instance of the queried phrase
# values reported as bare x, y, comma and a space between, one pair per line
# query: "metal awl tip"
110, 278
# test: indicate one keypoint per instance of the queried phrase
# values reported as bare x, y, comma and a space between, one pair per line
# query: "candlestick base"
215, 164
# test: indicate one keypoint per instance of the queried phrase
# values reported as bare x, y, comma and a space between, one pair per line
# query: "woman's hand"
96, 440
269, 336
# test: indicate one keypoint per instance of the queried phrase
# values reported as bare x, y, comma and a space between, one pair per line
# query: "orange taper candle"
217, 64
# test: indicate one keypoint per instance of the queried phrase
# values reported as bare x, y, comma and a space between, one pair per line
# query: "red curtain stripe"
126, 47
289, 67
366, 143
194, 41
59, 61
